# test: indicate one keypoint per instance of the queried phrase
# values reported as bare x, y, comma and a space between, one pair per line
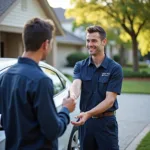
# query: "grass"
145, 143
136, 86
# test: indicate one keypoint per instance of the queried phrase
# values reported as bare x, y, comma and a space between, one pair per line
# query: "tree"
133, 16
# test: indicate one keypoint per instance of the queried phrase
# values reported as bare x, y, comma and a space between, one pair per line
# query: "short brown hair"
100, 30
35, 32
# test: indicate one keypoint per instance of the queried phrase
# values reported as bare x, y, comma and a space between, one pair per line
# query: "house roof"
60, 14
70, 38
51, 14
6, 4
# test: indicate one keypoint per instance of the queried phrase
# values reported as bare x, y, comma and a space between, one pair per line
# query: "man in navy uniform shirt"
99, 80
29, 116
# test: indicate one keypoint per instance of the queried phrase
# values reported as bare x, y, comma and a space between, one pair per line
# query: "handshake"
69, 103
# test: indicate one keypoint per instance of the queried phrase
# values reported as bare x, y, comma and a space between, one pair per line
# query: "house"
69, 42
67, 23
13, 16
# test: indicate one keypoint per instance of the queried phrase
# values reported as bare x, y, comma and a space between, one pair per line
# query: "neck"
32, 55
97, 59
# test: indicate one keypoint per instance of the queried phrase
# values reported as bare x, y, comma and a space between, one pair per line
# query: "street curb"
133, 145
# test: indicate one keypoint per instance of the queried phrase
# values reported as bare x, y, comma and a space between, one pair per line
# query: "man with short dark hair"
99, 79
29, 116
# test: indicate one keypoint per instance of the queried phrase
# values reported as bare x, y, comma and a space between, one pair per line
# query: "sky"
59, 3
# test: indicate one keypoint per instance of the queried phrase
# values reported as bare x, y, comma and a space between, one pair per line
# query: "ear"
104, 42
45, 45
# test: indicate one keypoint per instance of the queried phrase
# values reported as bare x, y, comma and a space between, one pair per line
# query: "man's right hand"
69, 103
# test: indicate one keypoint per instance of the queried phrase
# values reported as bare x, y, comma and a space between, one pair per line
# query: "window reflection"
58, 86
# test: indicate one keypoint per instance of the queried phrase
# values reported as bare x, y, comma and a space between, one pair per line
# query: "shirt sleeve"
0, 121
77, 71
52, 124
115, 82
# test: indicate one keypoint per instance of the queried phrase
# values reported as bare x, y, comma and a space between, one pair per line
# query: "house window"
24, 5
1, 49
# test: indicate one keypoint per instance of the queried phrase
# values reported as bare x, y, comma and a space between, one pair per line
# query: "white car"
70, 140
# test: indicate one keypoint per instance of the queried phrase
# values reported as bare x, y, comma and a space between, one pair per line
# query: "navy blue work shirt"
97, 81
30, 119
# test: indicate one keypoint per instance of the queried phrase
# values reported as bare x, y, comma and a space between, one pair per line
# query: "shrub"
116, 58
131, 74
140, 65
74, 57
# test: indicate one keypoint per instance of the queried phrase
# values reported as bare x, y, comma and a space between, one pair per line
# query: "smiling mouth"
91, 49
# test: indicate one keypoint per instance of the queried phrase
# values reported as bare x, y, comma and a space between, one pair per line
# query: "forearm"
74, 92
104, 105
75, 89
100, 108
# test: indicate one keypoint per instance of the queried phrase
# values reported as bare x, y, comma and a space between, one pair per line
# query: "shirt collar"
90, 61
27, 61
104, 64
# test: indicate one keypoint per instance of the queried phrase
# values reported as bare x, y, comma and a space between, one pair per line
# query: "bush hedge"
131, 74
116, 58
74, 57
140, 65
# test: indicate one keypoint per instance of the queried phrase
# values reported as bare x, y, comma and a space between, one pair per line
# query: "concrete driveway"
133, 116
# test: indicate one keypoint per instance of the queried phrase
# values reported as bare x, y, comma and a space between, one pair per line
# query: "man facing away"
99, 79
29, 116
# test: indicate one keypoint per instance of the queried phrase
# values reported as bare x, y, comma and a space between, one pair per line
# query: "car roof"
6, 62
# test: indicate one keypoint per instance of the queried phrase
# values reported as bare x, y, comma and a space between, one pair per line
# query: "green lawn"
136, 86
145, 143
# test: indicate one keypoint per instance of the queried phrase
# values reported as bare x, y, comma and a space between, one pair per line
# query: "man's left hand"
81, 119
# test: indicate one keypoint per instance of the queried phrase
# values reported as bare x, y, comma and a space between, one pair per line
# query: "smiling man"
99, 80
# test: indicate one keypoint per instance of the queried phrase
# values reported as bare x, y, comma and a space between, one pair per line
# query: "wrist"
65, 109
89, 114
73, 96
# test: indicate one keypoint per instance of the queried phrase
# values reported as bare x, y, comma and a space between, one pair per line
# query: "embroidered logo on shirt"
105, 74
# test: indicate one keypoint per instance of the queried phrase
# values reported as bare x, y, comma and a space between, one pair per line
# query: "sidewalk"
133, 145
133, 118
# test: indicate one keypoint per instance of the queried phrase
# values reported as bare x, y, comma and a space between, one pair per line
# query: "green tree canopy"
131, 16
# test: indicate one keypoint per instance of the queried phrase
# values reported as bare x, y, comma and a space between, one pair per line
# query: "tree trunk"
135, 54
122, 55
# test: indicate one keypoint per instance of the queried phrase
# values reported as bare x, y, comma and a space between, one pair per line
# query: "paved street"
133, 116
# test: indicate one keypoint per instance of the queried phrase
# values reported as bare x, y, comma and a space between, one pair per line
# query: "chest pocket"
103, 83
87, 84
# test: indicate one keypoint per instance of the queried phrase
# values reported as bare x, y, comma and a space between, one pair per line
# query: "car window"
57, 82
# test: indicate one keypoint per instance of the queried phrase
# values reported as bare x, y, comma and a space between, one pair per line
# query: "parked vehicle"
69, 141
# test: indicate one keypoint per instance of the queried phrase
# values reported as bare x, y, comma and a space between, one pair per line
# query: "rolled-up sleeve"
115, 82
52, 124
